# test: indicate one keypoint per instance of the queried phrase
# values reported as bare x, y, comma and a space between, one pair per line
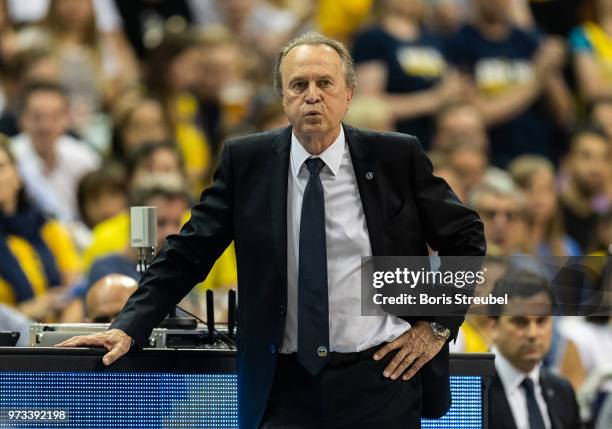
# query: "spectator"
225, 94
590, 44
591, 337
459, 121
168, 194
470, 162
502, 208
37, 257
522, 390
94, 69
150, 159
370, 113
107, 296
101, 194
445, 17
341, 19
51, 162
172, 74
586, 166
283, 20
535, 175
138, 120
36, 65
144, 23
402, 62
442, 168
515, 73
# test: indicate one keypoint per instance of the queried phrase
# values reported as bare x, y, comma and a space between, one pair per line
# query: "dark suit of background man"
362, 194
523, 394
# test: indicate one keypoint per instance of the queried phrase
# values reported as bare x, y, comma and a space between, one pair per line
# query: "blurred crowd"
106, 104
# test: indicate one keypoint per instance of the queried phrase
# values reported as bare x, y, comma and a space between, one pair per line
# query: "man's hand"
115, 341
416, 347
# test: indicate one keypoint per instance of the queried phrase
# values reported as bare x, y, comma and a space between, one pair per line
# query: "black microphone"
210, 315
231, 312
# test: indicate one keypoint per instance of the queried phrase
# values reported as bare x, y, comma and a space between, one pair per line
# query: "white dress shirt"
347, 241
511, 379
55, 190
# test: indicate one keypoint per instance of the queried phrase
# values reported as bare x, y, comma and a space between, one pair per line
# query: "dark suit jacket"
405, 207
558, 394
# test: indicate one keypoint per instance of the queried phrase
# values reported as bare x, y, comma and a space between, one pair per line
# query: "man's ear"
349, 97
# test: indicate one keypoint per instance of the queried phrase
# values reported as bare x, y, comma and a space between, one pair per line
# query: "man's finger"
81, 341
413, 369
115, 353
403, 366
396, 361
382, 352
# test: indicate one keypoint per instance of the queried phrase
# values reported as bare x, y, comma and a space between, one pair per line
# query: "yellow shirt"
58, 240
113, 234
341, 18
192, 142
474, 341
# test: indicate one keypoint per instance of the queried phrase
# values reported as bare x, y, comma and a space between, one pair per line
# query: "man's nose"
533, 330
313, 94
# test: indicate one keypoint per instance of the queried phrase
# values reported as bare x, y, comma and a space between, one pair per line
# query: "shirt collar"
512, 377
332, 156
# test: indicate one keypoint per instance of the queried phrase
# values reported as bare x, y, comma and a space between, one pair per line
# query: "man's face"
170, 212
463, 123
589, 163
45, 118
541, 195
315, 96
146, 124
470, 164
524, 333
501, 216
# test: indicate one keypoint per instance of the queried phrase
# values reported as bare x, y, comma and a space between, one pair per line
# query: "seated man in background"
523, 393
106, 297
50, 161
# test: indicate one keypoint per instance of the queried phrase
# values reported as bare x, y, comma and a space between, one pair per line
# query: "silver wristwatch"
440, 330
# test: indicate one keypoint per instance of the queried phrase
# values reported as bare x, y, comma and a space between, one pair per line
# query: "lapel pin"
369, 175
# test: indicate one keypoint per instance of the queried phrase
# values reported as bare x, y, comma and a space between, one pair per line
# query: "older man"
304, 204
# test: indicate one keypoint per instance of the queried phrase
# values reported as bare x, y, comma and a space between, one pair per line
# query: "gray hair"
314, 38
499, 183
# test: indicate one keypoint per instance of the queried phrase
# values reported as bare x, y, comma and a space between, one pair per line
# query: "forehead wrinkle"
303, 57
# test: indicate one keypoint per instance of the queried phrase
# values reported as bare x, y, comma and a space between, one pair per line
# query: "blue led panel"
117, 400
466, 409
82, 400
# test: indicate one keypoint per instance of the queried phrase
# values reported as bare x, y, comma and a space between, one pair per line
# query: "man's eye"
325, 83
299, 86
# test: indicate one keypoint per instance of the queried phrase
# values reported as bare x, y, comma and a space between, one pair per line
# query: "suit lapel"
500, 415
549, 397
278, 199
364, 164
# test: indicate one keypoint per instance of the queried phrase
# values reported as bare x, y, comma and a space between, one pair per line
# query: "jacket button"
283, 310
272, 349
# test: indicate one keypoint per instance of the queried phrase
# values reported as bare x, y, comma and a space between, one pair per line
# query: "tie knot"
527, 384
314, 165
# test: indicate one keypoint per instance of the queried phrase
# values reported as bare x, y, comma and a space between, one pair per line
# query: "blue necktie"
313, 313
536, 421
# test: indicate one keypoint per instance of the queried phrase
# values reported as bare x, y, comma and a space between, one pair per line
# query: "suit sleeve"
186, 258
451, 228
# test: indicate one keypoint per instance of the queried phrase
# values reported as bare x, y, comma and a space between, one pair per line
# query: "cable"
222, 335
